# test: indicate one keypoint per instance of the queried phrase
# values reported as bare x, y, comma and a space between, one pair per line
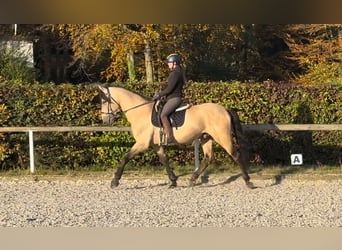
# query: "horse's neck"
128, 99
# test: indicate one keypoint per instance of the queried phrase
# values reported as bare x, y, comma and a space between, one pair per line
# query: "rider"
172, 94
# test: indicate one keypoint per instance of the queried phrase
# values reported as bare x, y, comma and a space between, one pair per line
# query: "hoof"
192, 183
250, 185
173, 185
114, 183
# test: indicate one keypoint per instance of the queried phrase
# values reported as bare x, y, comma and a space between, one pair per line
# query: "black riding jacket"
175, 84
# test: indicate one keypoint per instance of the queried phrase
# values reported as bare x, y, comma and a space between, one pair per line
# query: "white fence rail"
246, 127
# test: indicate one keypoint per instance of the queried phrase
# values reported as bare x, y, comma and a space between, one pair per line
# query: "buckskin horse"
207, 122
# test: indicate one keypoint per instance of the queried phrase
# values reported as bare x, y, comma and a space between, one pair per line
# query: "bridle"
111, 100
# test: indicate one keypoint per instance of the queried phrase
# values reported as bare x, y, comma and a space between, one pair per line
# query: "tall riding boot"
168, 131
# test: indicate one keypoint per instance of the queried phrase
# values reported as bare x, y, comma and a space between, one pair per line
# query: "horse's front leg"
207, 147
163, 160
119, 171
136, 149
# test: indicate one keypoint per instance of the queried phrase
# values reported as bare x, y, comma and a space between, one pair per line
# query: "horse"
207, 122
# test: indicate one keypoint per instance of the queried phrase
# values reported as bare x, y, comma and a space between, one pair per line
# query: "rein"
142, 104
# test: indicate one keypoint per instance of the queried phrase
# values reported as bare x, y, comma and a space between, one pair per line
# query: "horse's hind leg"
136, 149
163, 159
240, 157
238, 154
207, 147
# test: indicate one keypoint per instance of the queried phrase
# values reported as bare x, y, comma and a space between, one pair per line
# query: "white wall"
20, 48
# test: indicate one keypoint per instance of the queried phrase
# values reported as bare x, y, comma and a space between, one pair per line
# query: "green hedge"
281, 103
79, 105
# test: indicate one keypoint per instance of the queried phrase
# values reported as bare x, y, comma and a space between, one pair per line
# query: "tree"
112, 47
318, 50
210, 52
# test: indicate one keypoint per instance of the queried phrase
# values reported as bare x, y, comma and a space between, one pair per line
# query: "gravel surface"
142, 202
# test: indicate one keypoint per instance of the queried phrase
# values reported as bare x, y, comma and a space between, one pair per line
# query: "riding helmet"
174, 58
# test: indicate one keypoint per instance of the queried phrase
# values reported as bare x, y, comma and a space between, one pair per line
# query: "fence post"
197, 161
31, 146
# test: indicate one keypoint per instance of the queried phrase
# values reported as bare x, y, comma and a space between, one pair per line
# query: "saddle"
176, 118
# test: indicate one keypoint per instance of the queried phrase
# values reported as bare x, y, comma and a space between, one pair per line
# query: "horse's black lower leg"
117, 177
118, 173
198, 172
172, 177
243, 163
136, 149
169, 170
207, 144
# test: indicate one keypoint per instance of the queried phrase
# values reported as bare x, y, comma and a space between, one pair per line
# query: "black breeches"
170, 106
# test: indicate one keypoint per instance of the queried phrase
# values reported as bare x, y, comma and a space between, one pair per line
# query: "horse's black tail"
241, 140
242, 154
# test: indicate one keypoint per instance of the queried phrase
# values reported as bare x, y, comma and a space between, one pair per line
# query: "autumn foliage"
305, 53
